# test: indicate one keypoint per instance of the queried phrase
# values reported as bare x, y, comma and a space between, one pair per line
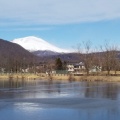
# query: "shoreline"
63, 77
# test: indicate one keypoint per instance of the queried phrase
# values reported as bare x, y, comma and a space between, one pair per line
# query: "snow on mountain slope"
32, 43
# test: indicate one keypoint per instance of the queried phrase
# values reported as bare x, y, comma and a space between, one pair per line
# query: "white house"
95, 69
76, 67
79, 68
70, 68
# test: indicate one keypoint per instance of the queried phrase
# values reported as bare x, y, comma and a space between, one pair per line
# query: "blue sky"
64, 23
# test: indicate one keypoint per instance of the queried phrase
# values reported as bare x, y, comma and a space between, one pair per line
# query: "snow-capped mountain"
32, 44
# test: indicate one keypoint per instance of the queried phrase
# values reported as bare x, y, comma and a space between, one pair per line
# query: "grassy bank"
19, 76
63, 77
86, 78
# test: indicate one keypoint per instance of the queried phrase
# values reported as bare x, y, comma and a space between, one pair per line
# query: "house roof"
76, 64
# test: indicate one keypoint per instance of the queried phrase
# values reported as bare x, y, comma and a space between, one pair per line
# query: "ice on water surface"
56, 101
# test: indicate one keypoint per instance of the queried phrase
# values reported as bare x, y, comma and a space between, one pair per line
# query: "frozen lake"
44, 100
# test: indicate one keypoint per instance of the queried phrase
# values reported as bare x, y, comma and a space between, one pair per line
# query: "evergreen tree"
58, 64
64, 65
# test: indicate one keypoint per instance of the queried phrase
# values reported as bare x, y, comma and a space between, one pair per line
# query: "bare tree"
110, 60
114, 59
85, 55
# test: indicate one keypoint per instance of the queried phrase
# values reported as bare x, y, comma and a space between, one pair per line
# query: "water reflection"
102, 90
40, 88
58, 100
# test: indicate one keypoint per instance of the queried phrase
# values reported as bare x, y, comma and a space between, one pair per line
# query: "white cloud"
57, 11
27, 29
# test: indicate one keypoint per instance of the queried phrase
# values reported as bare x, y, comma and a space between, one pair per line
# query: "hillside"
68, 57
12, 54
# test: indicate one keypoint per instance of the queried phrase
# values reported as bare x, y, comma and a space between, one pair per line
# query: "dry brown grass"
87, 78
63, 77
19, 76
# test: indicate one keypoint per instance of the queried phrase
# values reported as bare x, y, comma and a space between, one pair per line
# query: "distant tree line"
15, 59
107, 57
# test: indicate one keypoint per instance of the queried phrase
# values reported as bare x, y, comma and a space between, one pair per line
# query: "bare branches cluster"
106, 58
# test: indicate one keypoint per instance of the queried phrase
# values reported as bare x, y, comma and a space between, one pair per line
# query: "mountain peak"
33, 43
